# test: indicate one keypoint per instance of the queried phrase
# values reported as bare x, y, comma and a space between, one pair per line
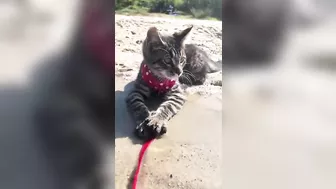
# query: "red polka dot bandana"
157, 84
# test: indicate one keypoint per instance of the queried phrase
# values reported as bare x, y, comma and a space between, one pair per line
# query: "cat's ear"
153, 36
180, 36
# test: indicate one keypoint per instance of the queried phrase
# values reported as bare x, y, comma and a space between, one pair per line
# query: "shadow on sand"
124, 123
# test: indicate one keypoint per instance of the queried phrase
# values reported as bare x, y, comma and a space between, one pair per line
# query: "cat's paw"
152, 127
142, 131
157, 123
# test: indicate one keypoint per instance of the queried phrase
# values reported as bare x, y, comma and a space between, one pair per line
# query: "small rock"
133, 32
119, 25
125, 69
128, 50
217, 83
171, 176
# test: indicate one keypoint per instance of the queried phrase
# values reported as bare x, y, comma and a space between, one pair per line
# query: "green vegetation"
200, 9
134, 10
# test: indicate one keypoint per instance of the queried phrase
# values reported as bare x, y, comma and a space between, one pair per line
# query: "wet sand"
188, 156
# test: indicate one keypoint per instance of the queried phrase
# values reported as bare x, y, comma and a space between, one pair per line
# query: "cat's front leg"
174, 101
136, 105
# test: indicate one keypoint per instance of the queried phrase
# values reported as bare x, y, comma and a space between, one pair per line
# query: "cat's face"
165, 55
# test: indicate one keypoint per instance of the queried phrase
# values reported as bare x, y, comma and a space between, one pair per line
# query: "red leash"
141, 155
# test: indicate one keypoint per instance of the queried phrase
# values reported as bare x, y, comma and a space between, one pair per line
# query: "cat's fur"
167, 57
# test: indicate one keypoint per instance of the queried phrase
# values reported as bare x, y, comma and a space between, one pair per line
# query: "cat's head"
164, 54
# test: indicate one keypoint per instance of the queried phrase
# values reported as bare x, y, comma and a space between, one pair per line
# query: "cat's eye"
167, 59
182, 60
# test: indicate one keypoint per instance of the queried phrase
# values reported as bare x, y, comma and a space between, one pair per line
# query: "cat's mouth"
169, 75
164, 75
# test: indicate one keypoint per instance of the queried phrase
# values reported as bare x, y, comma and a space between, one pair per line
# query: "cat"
167, 62
74, 103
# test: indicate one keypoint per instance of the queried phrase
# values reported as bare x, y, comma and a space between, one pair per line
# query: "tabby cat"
167, 63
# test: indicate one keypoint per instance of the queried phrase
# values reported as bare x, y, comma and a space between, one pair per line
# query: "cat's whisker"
190, 74
188, 79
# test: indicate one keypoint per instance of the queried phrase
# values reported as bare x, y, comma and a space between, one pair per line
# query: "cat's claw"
157, 124
162, 130
152, 127
140, 131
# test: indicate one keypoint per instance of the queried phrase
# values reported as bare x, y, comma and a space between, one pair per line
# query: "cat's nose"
178, 71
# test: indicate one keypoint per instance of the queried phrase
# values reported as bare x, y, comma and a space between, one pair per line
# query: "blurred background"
279, 94
30, 31
200, 9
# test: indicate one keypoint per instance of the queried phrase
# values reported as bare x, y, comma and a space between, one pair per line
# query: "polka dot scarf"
157, 84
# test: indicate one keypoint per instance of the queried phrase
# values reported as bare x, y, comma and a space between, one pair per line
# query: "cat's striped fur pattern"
165, 57
173, 102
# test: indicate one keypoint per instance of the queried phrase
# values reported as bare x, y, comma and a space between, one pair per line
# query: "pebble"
217, 83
